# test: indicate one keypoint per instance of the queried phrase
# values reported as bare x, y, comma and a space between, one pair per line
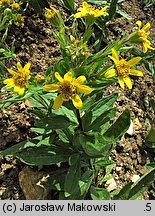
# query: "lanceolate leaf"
119, 128
142, 185
54, 122
102, 105
69, 4
72, 178
99, 193
102, 119
42, 155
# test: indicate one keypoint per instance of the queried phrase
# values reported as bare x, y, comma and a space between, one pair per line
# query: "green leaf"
41, 155
119, 127
68, 113
152, 103
14, 98
102, 105
123, 14
85, 182
95, 145
73, 176
99, 193
102, 119
62, 66
53, 122
124, 192
87, 35
150, 140
86, 120
38, 130
112, 10
69, 4
56, 180
142, 185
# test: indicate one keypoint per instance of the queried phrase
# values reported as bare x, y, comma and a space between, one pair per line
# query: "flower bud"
53, 16
7, 12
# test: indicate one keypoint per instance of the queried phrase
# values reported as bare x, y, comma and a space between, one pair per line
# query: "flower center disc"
20, 80
123, 68
67, 90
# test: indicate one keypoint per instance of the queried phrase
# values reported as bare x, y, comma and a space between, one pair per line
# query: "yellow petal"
27, 66
12, 72
110, 73
78, 15
58, 102
51, 87
68, 76
26, 84
80, 79
146, 27
19, 90
114, 60
115, 55
139, 23
19, 66
121, 82
128, 82
134, 61
9, 82
84, 89
149, 47
85, 4
77, 102
145, 46
135, 72
58, 77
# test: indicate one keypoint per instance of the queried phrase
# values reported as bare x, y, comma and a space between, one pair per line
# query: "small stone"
111, 185
137, 124
118, 169
135, 178
28, 180
130, 130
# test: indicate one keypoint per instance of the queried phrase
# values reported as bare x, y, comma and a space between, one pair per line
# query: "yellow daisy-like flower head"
50, 13
140, 36
87, 10
19, 79
123, 69
38, 78
19, 20
15, 6
6, 3
68, 87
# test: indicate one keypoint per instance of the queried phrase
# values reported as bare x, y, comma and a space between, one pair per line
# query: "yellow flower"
50, 13
53, 16
19, 20
15, 6
140, 36
37, 78
87, 10
19, 79
68, 88
6, 3
123, 69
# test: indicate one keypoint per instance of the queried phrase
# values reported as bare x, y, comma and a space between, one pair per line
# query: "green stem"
79, 119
